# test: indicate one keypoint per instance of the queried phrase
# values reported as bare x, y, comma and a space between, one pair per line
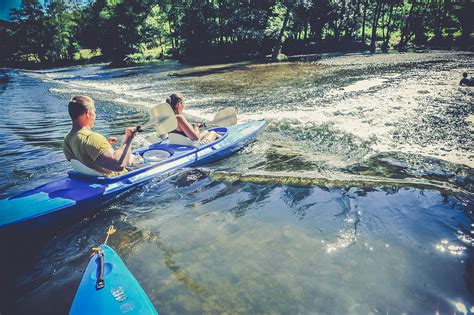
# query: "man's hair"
79, 105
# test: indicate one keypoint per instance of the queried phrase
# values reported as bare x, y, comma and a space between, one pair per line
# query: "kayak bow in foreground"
109, 288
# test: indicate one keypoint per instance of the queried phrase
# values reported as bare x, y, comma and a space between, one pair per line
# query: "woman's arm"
191, 132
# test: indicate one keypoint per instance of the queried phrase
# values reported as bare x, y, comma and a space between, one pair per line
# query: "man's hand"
112, 140
129, 134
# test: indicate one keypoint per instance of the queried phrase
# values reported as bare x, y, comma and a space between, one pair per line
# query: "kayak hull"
74, 196
121, 294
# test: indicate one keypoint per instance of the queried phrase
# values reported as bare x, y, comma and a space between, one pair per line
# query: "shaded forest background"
64, 32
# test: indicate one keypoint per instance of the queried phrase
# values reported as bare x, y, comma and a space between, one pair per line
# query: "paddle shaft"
141, 128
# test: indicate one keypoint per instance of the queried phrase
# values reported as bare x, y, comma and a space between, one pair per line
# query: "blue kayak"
108, 287
75, 195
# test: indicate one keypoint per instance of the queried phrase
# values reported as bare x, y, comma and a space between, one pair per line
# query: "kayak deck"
121, 294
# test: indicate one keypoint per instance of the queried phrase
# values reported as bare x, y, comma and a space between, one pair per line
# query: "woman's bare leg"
208, 136
211, 136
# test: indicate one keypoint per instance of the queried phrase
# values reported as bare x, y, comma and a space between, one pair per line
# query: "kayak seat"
176, 138
81, 168
151, 156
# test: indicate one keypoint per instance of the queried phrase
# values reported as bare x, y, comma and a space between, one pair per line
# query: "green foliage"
275, 20
28, 32
196, 28
60, 28
213, 30
39, 35
117, 27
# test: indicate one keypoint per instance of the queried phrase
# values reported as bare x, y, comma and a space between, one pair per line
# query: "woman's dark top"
179, 132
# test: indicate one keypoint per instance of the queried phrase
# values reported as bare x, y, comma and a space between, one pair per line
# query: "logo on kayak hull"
119, 294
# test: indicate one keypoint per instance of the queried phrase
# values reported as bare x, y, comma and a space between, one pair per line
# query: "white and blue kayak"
75, 195
108, 288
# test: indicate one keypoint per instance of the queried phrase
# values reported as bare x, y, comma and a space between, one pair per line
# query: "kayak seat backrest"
176, 138
81, 168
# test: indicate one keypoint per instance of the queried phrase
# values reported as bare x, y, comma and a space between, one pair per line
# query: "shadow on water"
399, 166
210, 70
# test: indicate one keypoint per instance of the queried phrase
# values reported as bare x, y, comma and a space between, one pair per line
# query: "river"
357, 198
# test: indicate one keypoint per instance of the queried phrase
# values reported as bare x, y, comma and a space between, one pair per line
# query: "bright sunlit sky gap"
5, 6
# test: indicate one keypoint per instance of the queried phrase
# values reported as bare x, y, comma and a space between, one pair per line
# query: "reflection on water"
357, 199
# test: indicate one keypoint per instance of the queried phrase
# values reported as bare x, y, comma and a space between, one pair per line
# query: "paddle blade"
164, 119
225, 117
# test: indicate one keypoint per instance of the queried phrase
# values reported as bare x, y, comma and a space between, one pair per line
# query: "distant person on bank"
466, 81
91, 148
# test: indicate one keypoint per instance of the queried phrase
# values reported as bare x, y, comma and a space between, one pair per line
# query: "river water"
357, 199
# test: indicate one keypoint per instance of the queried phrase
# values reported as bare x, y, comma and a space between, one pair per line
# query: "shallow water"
357, 199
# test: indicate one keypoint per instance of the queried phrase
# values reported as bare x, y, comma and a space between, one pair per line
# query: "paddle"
224, 118
163, 118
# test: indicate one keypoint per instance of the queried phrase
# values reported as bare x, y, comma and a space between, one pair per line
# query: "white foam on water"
375, 117
372, 109
363, 85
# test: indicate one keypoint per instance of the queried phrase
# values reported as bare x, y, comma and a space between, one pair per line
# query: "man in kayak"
91, 148
466, 81
192, 132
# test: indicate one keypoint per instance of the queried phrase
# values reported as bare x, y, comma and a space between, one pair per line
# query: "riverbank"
91, 58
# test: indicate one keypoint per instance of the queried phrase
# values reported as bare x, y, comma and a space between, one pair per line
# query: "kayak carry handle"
100, 284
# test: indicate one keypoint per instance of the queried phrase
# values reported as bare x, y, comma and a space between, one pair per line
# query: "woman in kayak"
176, 101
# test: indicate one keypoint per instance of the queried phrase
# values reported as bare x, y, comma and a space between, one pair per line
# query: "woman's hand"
196, 126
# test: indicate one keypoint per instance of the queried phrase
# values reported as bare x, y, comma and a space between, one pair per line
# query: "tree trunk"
405, 36
352, 25
389, 29
172, 38
305, 32
438, 21
374, 25
364, 18
279, 41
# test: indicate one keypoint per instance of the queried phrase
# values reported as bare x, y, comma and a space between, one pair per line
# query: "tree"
7, 49
196, 29
277, 25
28, 31
60, 29
320, 15
117, 27
375, 21
463, 11
364, 20
156, 33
